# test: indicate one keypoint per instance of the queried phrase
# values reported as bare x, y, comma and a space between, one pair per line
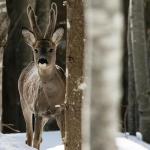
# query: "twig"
9, 127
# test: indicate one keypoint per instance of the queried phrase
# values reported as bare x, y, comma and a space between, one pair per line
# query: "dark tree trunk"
75, 71
132, 110
42, 12
3, 34
124, 102
61, 50
147, 29
140, 63
16, 57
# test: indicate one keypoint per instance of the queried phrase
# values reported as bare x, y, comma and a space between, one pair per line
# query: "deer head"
43, 45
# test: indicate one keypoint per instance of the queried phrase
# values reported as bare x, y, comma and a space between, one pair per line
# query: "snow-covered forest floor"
52, 141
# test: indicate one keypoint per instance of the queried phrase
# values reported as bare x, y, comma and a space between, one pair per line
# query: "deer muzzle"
43, 63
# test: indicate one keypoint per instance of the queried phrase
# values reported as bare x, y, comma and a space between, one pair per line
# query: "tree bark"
16, 57
140, 62
42, 12
3, 35
124, 101
147, 26
103, 68
61, 50
132, 109
75, 72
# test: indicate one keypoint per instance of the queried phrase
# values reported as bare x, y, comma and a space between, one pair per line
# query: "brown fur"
41, 96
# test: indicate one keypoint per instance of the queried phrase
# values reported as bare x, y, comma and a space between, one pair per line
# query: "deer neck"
47, 74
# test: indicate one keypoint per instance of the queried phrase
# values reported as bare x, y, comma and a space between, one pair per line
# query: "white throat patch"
42, 66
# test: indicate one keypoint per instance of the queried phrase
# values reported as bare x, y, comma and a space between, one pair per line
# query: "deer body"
40, 93
42, 83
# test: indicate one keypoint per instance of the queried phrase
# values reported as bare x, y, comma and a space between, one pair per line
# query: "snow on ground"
126, 144
136, 139
59, 147
16, 141
12, 143
52, 141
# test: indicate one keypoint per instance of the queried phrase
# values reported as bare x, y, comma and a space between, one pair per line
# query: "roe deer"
42, 83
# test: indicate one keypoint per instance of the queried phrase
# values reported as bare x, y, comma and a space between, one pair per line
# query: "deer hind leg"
38, 128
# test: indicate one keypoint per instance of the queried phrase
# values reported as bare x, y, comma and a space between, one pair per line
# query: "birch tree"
103, 68
75, 57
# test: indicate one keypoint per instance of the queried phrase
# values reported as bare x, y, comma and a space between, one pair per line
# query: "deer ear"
57, 35
28, 37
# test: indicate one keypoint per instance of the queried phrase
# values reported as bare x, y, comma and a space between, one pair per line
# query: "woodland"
104, 53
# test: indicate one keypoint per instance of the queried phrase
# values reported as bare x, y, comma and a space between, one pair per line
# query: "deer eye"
50, 50
36, 50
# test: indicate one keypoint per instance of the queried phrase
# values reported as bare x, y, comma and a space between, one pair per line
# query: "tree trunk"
147, 24
75, 59
140, 62
16, 57
42, 12
132, 109
3, 35
103, 68
61, 22
124, 101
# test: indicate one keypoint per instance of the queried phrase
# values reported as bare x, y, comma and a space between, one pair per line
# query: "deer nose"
42, 61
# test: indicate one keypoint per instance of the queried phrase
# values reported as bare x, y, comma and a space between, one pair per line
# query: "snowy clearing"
52, 141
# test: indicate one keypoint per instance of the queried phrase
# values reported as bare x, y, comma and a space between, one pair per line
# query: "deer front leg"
61, 124
38, 128
29, 131
28, 120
